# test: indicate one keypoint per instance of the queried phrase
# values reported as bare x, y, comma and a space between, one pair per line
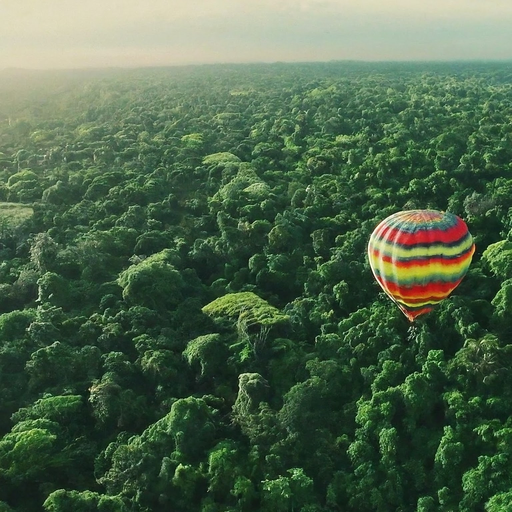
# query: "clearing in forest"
13, 214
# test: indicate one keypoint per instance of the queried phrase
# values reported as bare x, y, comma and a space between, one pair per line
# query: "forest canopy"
188, 318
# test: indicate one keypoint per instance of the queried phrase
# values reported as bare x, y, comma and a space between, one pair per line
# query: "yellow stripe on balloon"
419, 273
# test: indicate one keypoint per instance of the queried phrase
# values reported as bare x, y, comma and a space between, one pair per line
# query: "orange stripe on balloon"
422, 236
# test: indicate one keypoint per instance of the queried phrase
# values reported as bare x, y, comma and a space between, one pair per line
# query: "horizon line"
262, 62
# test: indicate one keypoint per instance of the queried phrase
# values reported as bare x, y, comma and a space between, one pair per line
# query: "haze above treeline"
61, 34
19, 86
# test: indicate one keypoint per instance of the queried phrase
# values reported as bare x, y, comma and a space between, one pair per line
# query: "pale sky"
99, 33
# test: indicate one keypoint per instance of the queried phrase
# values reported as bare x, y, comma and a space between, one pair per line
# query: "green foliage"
84, 501
499, 502
252, 388
188, 320
15, 323
499, 258
153, 282
287, 492
13, 215
61, 409
502, 303
222, 158
246, 305
27, 452
187, 415
224, 468
209, 352
43, 252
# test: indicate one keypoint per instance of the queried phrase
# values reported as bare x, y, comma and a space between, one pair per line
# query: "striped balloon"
419, 257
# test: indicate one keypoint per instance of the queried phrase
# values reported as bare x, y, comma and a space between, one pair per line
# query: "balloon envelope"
419, 257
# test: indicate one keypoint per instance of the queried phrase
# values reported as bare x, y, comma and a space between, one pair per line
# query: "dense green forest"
188, 320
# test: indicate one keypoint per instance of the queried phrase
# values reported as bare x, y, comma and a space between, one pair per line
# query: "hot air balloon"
419, 257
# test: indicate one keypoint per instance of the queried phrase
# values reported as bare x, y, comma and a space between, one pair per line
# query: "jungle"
188, 318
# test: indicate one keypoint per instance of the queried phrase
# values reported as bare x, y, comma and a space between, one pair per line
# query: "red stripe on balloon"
411, 315
422, 236
420, 290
